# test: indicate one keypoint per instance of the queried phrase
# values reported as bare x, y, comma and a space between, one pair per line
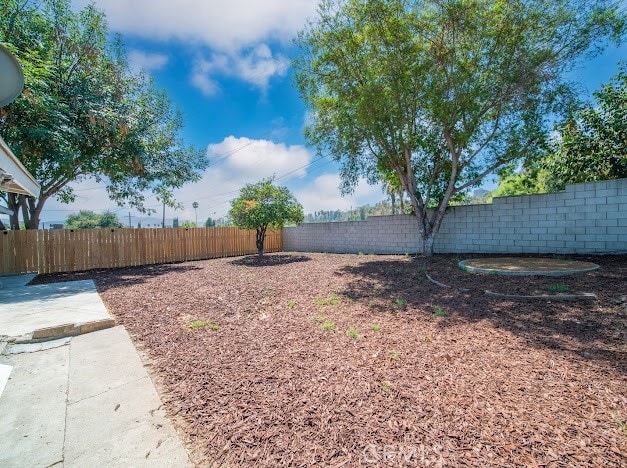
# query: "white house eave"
13, 175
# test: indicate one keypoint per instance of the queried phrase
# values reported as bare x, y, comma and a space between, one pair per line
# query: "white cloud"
256, 67
235, 162
139, 60
219, 24
323, 193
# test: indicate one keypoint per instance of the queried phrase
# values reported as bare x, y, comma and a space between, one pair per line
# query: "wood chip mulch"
347, 360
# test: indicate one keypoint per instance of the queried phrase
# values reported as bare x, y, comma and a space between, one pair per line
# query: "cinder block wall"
584, 218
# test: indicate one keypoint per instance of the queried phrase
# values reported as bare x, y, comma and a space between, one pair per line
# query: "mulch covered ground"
320, 359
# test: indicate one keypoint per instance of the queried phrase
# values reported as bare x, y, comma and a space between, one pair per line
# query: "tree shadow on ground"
269, 260
591, 331
116, 277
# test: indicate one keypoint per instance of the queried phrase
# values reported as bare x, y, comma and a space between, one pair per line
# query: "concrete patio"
75, 401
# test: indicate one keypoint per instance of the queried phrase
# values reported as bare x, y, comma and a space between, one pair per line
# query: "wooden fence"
64, 250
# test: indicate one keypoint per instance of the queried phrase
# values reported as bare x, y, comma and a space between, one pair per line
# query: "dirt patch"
353, 360
543, 266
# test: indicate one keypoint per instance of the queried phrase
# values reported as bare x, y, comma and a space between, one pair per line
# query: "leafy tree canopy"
592, 145
87, 219
262, 205
444, 92
84, 114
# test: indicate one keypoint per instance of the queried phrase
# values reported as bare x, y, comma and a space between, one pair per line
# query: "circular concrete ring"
515, 266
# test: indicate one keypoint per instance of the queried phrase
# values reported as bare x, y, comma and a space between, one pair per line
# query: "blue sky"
226, 65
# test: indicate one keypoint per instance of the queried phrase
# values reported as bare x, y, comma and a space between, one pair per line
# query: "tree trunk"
427, 244
402, 203
261, 236
393, 198
14, 219
35, 205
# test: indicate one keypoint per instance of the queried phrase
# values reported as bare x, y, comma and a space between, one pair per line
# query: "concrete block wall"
584, 218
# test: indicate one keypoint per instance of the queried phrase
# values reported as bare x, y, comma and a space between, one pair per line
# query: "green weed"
319, 318
558, 288
352, 332
215, 327
385, 386
400, 303
331, 300
375, 327
328, 326
291, 304
439, 312
196, 324
394, 356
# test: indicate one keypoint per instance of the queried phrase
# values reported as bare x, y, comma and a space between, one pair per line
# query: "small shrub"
439, 312
352, 332
291, 304
328, 326
375, 327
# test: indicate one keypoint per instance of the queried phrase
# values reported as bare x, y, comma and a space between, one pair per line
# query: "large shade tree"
84, 114
592, 144
441, 92
262, 206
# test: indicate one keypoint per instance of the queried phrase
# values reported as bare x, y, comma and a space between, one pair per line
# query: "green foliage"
394, 356
525, 181
291, 304
83, 114
328, 326
441, 93
331, 300
352, 333
86, 219
188, 224
558, 288
593, 143
400, 303
319, 318
439, 312
210, 222
261, 206
375, 327
196, 324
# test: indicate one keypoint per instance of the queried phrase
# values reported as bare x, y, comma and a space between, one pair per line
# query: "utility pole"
195, 206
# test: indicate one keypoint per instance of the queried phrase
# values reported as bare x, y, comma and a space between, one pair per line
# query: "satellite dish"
11, 77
